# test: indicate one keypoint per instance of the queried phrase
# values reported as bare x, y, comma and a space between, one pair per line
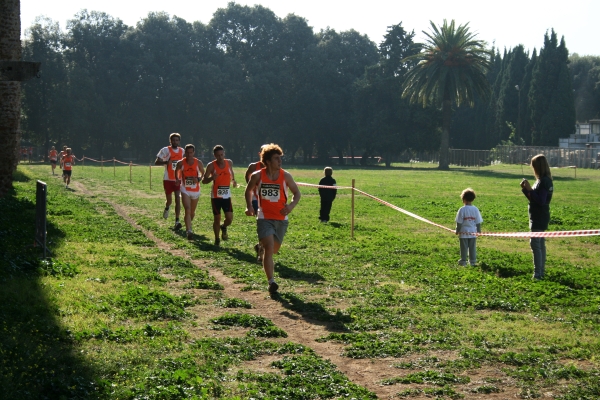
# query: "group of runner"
27, 154
265, 194
66, 159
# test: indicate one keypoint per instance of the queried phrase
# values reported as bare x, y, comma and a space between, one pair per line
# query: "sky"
504, 23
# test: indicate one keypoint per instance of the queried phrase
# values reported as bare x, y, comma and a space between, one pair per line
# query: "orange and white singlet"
173, 155
68, 162
272, 196
221, 185
176, 155
53, 155
189, 172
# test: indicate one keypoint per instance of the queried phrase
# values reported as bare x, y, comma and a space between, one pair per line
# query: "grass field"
127, 308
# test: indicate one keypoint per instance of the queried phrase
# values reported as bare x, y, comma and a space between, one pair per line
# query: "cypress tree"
525, 125
551, 94
508, 97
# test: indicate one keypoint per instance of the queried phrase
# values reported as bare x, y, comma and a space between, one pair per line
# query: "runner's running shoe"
177, 225
273, 286
224, 234
166, 213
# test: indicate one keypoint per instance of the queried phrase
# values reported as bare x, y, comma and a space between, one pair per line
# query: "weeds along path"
364, 372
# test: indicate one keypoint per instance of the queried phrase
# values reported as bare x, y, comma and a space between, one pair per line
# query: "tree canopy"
248, 77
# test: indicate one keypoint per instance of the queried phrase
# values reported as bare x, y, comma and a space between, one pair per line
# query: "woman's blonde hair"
540, 166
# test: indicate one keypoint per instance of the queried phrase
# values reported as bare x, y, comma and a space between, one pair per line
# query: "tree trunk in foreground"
10, 93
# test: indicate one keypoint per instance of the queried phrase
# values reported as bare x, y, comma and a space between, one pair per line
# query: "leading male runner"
271, 183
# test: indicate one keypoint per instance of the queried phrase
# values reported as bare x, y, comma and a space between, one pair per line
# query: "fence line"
473, 155
557, 156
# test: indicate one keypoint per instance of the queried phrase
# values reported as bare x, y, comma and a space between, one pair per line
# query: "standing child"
468, 221
327, 195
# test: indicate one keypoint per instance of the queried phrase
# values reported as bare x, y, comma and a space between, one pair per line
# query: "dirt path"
364, 372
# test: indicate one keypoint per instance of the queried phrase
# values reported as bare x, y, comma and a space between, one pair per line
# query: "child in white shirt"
468, 221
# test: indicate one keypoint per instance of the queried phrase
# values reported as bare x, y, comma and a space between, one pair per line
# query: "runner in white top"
169, 156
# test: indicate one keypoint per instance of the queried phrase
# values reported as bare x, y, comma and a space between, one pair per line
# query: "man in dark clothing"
327, 195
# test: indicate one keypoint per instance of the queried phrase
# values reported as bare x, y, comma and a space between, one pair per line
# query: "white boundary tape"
588, 232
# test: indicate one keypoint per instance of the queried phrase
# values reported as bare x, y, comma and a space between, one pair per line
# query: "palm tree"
451, 67
10, 92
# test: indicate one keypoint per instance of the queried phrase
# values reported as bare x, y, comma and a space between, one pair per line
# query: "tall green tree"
387, 123
96, 89
524, 126
585, 73
46, 104
451, 68
507, 111
551, 94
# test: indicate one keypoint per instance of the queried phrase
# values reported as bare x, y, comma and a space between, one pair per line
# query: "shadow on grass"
314, 312
295, 275
37, 359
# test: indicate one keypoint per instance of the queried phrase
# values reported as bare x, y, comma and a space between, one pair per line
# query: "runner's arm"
160, 159
201, 168
178, 171
209, 174
254, 178
295, 191
249, 171
232, 174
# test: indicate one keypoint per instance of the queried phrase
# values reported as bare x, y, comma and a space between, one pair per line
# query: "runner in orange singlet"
68, 162
272, 183
253, 167
189, 172
60, 159
220, 173
169, 156
53, 156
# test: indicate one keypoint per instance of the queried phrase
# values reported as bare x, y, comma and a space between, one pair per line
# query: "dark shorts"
53, 162
170, 187
67, 172
221, 204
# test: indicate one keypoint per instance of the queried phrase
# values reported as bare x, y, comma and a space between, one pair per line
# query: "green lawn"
113, 316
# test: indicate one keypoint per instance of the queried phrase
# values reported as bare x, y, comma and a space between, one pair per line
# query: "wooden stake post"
352, 222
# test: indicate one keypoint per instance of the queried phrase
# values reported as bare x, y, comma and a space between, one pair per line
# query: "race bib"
189, 182
173, 165
67, 164
223, 191
270, 192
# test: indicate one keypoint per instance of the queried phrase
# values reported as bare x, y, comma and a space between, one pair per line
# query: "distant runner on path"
271, 183
189, 172
68, 163
53, 156
220, 173
60, 159
169, 156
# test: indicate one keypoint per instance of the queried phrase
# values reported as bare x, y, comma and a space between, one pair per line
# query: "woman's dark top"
539, 203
